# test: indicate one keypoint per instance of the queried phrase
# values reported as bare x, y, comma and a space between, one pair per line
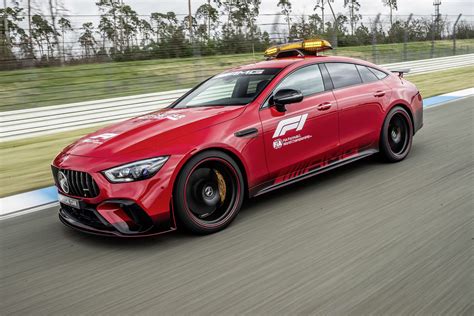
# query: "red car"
241, 133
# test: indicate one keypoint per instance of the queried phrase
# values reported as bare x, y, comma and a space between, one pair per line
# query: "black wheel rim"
398, 134
211, 191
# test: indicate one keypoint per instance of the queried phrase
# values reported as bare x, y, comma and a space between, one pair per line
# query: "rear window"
343, 74
379, 74
366, 74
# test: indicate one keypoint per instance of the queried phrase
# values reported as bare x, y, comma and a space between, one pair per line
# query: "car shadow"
265, 201
310, 184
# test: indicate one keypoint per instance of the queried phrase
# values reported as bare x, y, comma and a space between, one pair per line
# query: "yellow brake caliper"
222, 186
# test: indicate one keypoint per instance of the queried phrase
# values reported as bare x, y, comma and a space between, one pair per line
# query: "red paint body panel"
321, 127
361, 114
350, 125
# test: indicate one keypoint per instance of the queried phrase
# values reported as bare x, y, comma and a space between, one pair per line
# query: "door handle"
324, 106
379, 94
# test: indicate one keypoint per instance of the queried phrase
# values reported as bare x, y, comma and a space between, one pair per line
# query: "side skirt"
315, 172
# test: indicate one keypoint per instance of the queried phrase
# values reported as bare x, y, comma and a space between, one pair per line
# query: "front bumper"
140, 208
113, 218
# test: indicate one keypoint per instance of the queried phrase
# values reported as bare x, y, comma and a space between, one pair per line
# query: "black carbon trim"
246, 132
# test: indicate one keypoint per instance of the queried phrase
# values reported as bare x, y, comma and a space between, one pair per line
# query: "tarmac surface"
368, 238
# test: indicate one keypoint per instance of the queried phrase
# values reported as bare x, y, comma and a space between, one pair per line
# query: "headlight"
138, 170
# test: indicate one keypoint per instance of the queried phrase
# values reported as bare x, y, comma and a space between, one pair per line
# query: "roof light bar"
311, 45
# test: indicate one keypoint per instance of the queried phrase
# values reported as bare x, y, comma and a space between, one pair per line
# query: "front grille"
80, 183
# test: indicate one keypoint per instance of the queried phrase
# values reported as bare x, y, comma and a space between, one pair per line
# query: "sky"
81, 11
369, 7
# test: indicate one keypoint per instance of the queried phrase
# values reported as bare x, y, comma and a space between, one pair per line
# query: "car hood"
150, 130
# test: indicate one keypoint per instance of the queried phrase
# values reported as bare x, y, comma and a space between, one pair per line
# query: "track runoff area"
25, 203
368, 238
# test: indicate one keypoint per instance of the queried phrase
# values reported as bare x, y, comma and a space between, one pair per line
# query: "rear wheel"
209, 192
397, 135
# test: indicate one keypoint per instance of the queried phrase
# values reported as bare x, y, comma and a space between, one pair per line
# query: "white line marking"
28, 211
461, 93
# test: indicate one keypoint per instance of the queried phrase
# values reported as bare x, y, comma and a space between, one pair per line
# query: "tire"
396, 136
209, 192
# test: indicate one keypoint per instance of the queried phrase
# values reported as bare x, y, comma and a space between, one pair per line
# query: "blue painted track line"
438, 100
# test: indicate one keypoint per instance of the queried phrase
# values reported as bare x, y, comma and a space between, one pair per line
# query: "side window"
378, 73
366, 74
252, 86
256, 85
308, 80
343, 74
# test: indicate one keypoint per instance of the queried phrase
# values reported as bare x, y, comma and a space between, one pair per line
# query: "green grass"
440, 82
25, 164
38, 87
390, 53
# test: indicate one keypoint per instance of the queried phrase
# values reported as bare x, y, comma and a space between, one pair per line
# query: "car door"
360, 104
307, 133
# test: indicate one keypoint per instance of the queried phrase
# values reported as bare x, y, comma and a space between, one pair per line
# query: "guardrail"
434, 64
26, 123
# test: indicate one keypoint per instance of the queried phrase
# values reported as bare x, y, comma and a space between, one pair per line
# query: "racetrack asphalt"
368, 238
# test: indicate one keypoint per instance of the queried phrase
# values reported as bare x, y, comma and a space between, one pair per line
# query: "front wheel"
209, 192
397, 135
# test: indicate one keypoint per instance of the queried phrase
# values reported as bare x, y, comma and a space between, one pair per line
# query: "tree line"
30, 36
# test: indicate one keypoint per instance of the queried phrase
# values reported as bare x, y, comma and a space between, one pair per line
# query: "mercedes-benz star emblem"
63, 183
208, 191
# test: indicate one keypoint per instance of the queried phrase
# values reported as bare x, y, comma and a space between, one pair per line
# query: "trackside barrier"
20, 124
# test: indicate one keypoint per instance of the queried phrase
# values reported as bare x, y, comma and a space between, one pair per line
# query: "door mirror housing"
286, 96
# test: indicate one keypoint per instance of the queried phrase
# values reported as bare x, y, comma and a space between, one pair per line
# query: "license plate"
69, 201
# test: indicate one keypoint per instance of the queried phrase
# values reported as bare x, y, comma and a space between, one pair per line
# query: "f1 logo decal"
293, 123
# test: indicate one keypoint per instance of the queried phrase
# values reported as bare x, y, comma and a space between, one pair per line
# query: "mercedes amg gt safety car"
240, 133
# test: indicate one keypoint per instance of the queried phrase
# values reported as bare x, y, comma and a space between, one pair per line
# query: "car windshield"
229, 88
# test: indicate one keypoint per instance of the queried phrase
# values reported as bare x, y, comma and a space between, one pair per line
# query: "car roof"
284, 62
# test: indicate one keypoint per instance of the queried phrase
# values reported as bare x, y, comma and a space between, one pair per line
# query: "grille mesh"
80, 183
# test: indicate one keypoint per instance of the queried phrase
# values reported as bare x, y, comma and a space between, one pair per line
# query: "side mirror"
286, 96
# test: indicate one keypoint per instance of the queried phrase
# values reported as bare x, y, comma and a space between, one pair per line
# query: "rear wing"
400, 71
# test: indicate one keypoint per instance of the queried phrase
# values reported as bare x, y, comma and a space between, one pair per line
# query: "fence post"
5, 23
434, 30
405, 37
454, 33
374, 39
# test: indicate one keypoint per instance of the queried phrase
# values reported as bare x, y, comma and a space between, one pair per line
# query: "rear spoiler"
400, 71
